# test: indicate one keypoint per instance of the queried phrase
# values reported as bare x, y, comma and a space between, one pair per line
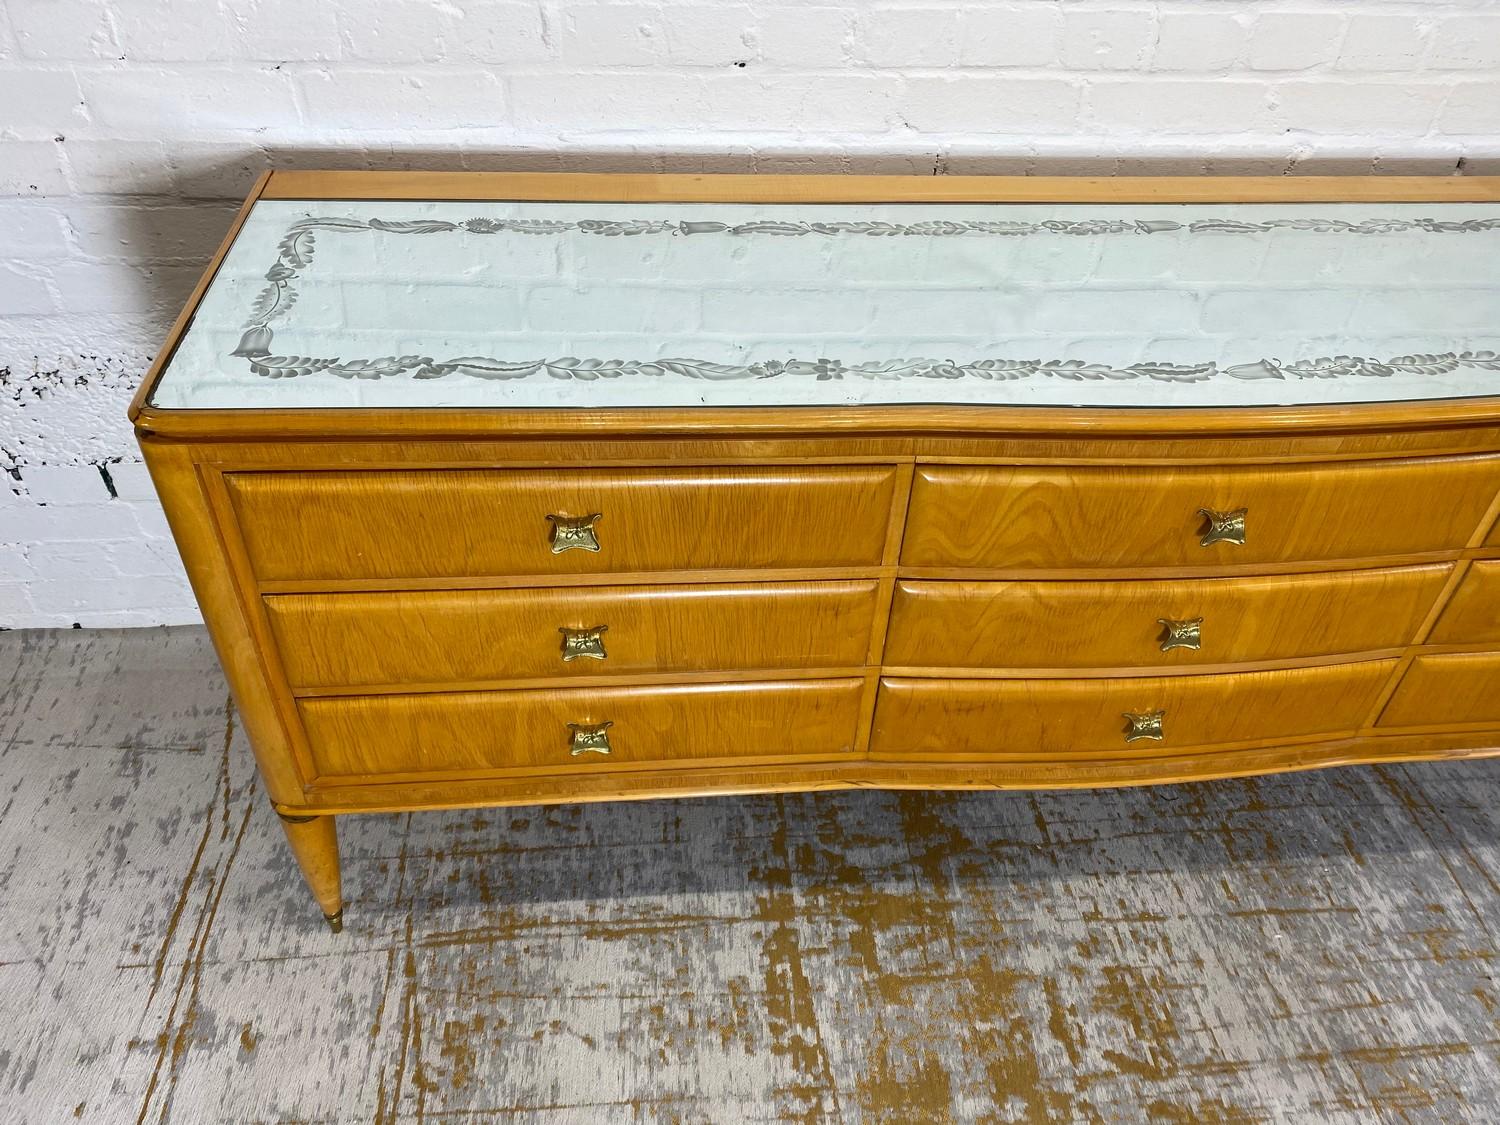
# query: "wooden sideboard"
453, 600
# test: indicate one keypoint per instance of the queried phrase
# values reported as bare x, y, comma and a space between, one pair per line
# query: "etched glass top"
460, 304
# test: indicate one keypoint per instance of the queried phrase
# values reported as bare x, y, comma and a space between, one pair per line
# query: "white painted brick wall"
128, 129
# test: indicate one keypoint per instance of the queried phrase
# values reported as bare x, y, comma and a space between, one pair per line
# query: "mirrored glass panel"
459, 304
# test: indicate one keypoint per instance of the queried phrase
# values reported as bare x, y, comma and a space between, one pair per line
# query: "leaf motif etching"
296, 248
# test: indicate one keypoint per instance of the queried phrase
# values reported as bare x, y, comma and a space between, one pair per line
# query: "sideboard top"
1107, 298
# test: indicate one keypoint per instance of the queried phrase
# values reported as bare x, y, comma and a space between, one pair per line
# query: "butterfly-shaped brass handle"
589, 738
573, 533
583, 642
1146, 724
1181, 634
1224, 527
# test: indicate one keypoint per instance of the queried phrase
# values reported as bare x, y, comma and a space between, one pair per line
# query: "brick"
107, 287
33, 230
1352, 107
1199, 41
76, 594
991, 104
497, 32
1096, 39
365, 99
1383, 42
612, 35
782, 103
63, 29
24, 292
64, 484
162, 31
620, 100
290, 30
1293, 40
16, 610
708, 36
1467, 42
132, 481
146, 102
117, 167
36, 523
901, 37
414, 31
145, 234
1026, 36
15, 565
39, 103
1160, 105
187, 169
1473, 107
31, 168
790, 36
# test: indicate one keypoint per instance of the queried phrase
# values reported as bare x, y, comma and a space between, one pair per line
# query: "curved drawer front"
1074, 517
1473, 615
1086, 718
563, 731
1450, 689
472, 523
336, 640
1145, 624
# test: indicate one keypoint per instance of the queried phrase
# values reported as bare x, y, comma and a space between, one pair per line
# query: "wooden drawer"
528, 730
1452, 689
1086, 717
1090, 624
453, 636
1473, 614
462, 522
1043, 518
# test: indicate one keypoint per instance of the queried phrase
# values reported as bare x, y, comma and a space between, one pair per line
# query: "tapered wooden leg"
315, 843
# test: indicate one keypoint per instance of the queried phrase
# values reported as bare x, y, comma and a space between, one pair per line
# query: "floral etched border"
295, 252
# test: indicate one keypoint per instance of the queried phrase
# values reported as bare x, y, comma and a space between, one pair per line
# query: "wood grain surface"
450, 523
952, 719
1100, 624
377, 737
432, 637
1473, 613
1124, 518
1449, 689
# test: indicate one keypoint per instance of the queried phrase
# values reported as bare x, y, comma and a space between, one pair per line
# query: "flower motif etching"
295, 254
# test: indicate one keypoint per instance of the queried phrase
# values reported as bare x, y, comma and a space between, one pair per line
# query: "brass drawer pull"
1147, 724
583, 642
573, 533
589, 738
1224, 527
1181, 634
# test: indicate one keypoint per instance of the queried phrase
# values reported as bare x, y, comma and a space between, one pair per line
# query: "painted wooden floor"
1315, 948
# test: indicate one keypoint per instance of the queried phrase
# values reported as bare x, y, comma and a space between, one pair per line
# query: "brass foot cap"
335, 922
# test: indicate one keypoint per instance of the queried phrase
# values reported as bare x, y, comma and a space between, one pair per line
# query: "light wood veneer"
458, 522
1119, 623
802, 599
1123, 518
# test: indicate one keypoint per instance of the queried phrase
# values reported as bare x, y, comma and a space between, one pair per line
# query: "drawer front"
471, 523
1460, 687
529, 730
1028, 517
1122, 624
1084, 717
1473, 614
338, 640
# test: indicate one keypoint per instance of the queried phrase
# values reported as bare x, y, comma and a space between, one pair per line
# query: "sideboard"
504, 489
